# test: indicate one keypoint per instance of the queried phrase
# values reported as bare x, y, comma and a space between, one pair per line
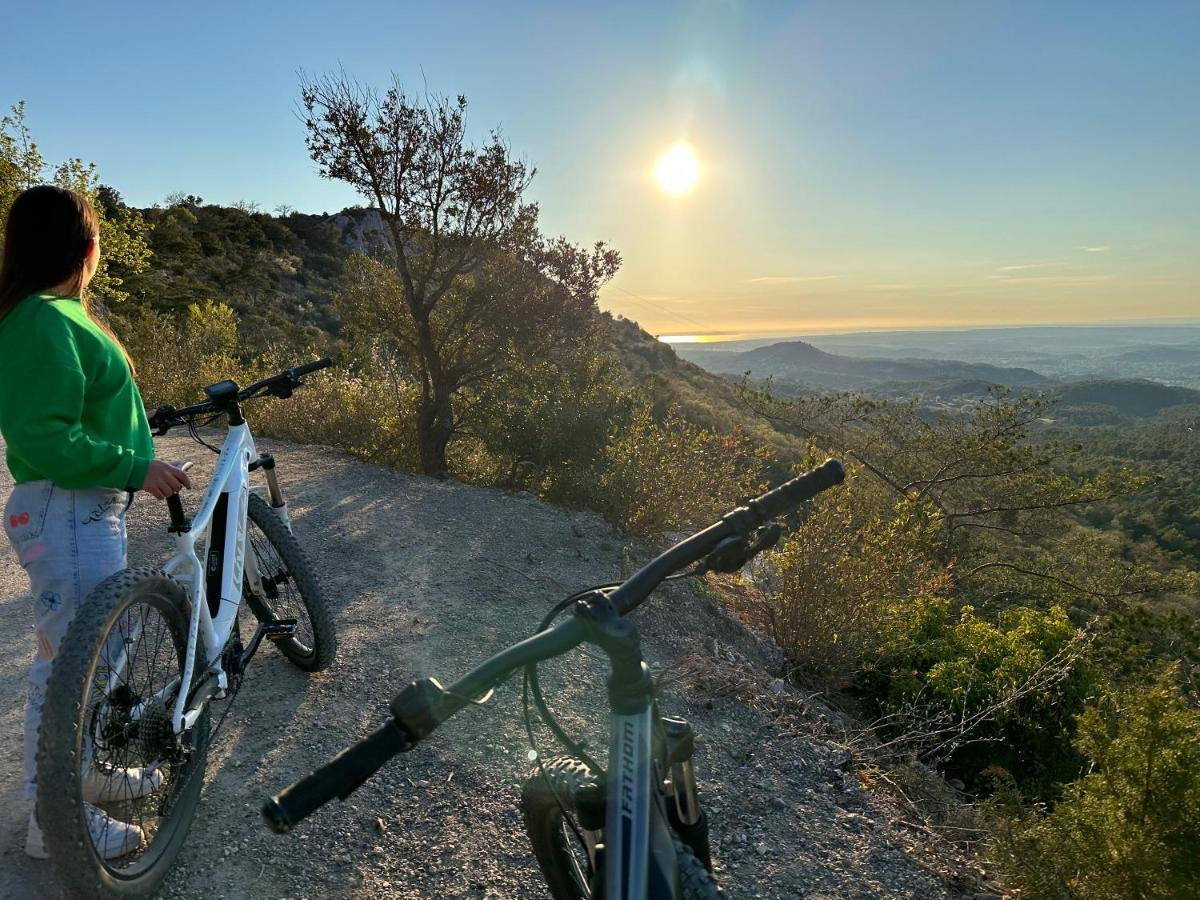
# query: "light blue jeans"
68, 542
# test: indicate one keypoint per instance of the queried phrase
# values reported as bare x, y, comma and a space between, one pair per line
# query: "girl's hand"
164, 479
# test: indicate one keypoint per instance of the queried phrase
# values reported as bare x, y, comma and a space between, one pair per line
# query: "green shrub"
672, 475
361, 410
1130, 828
175, 359
546, 425
846, 582
976, 695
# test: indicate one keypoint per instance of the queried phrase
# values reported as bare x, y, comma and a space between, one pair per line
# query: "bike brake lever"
734, 552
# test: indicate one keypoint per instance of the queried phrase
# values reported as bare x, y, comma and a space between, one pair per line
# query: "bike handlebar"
337, 778
424, 705
287, 376
791, 494
167, 417
630, 595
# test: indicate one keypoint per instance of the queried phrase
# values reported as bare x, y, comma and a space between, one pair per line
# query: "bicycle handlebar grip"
323, 363
337, 778
791, 494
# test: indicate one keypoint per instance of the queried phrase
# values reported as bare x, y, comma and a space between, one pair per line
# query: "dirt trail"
428, 578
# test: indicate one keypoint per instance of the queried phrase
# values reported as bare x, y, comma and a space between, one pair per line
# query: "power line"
664, 310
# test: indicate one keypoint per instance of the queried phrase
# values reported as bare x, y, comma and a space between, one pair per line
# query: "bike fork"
266, 462
687, 818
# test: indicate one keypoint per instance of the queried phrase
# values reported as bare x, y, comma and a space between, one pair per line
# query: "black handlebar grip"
791, 494
324, 363
337, 778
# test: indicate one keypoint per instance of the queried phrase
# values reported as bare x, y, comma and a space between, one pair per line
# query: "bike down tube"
630, 791
231, 474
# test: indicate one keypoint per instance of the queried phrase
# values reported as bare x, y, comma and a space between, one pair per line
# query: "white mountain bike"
126, 722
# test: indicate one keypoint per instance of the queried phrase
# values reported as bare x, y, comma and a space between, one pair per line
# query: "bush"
367, 410
174, 360
546, 425
976, 695
672, 476
844, 582
361, 410
1130, 828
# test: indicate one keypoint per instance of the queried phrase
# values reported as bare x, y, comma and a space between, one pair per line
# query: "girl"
78, 446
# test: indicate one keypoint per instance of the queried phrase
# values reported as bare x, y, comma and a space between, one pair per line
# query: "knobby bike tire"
70, 709
552, 841
299, 595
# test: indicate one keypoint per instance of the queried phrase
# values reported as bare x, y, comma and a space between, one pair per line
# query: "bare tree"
463, 243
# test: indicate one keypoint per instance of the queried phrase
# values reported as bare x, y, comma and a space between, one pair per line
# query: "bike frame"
224, 506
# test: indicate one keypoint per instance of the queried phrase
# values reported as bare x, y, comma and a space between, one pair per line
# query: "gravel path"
429, 578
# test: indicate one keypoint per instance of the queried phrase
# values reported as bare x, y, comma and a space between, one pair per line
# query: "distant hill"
801, 364
1107, 401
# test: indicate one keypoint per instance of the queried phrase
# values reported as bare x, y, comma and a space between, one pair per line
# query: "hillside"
700, 396
801, 364
789, 818
1122, 398
278, 272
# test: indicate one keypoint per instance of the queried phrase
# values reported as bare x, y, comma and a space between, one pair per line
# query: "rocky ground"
429, 578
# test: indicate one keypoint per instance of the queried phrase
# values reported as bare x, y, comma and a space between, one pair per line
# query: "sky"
862, 165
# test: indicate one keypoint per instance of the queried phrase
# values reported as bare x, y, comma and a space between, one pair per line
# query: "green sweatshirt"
69, 410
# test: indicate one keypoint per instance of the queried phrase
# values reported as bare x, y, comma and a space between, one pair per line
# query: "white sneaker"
108, 785
34, 845
111, 837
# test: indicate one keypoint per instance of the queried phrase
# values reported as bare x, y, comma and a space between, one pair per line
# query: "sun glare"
677, 169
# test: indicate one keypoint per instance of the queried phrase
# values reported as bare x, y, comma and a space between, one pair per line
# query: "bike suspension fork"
688, 819
266, 462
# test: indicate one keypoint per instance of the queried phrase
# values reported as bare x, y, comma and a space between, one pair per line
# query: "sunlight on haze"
677, 169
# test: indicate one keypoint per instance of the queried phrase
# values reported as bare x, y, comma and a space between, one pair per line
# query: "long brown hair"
46, 243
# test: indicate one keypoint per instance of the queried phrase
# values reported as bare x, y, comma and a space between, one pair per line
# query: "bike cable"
530, 684
195, 434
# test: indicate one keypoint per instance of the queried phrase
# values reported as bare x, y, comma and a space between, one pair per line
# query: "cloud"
789, 279
1103, 249
1065, 280
1046, 264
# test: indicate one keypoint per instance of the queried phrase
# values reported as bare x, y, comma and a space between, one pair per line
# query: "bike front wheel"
107, 716
289, 589
557, 848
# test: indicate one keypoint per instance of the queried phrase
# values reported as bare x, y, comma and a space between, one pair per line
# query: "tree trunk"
435, 427
435, 417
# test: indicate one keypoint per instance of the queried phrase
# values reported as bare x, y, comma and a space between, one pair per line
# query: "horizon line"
720, 335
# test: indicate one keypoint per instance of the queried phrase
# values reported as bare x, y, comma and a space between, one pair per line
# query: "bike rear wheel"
559, 853
108, 707
289, 589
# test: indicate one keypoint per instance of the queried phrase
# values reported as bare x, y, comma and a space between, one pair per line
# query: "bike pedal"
279, 630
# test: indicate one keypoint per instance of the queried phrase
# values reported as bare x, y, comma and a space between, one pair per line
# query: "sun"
677, 169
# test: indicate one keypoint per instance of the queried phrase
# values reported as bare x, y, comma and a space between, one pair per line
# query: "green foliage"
175, 360
547, 424
1130, 827
672, 475
21, 162
985, 696
277, 275
847, 580
1001, 498
1165, 516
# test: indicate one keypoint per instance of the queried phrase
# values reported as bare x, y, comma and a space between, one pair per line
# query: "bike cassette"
279, 630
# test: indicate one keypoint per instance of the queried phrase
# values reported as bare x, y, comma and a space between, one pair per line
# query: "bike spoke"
275, 578
134, 685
